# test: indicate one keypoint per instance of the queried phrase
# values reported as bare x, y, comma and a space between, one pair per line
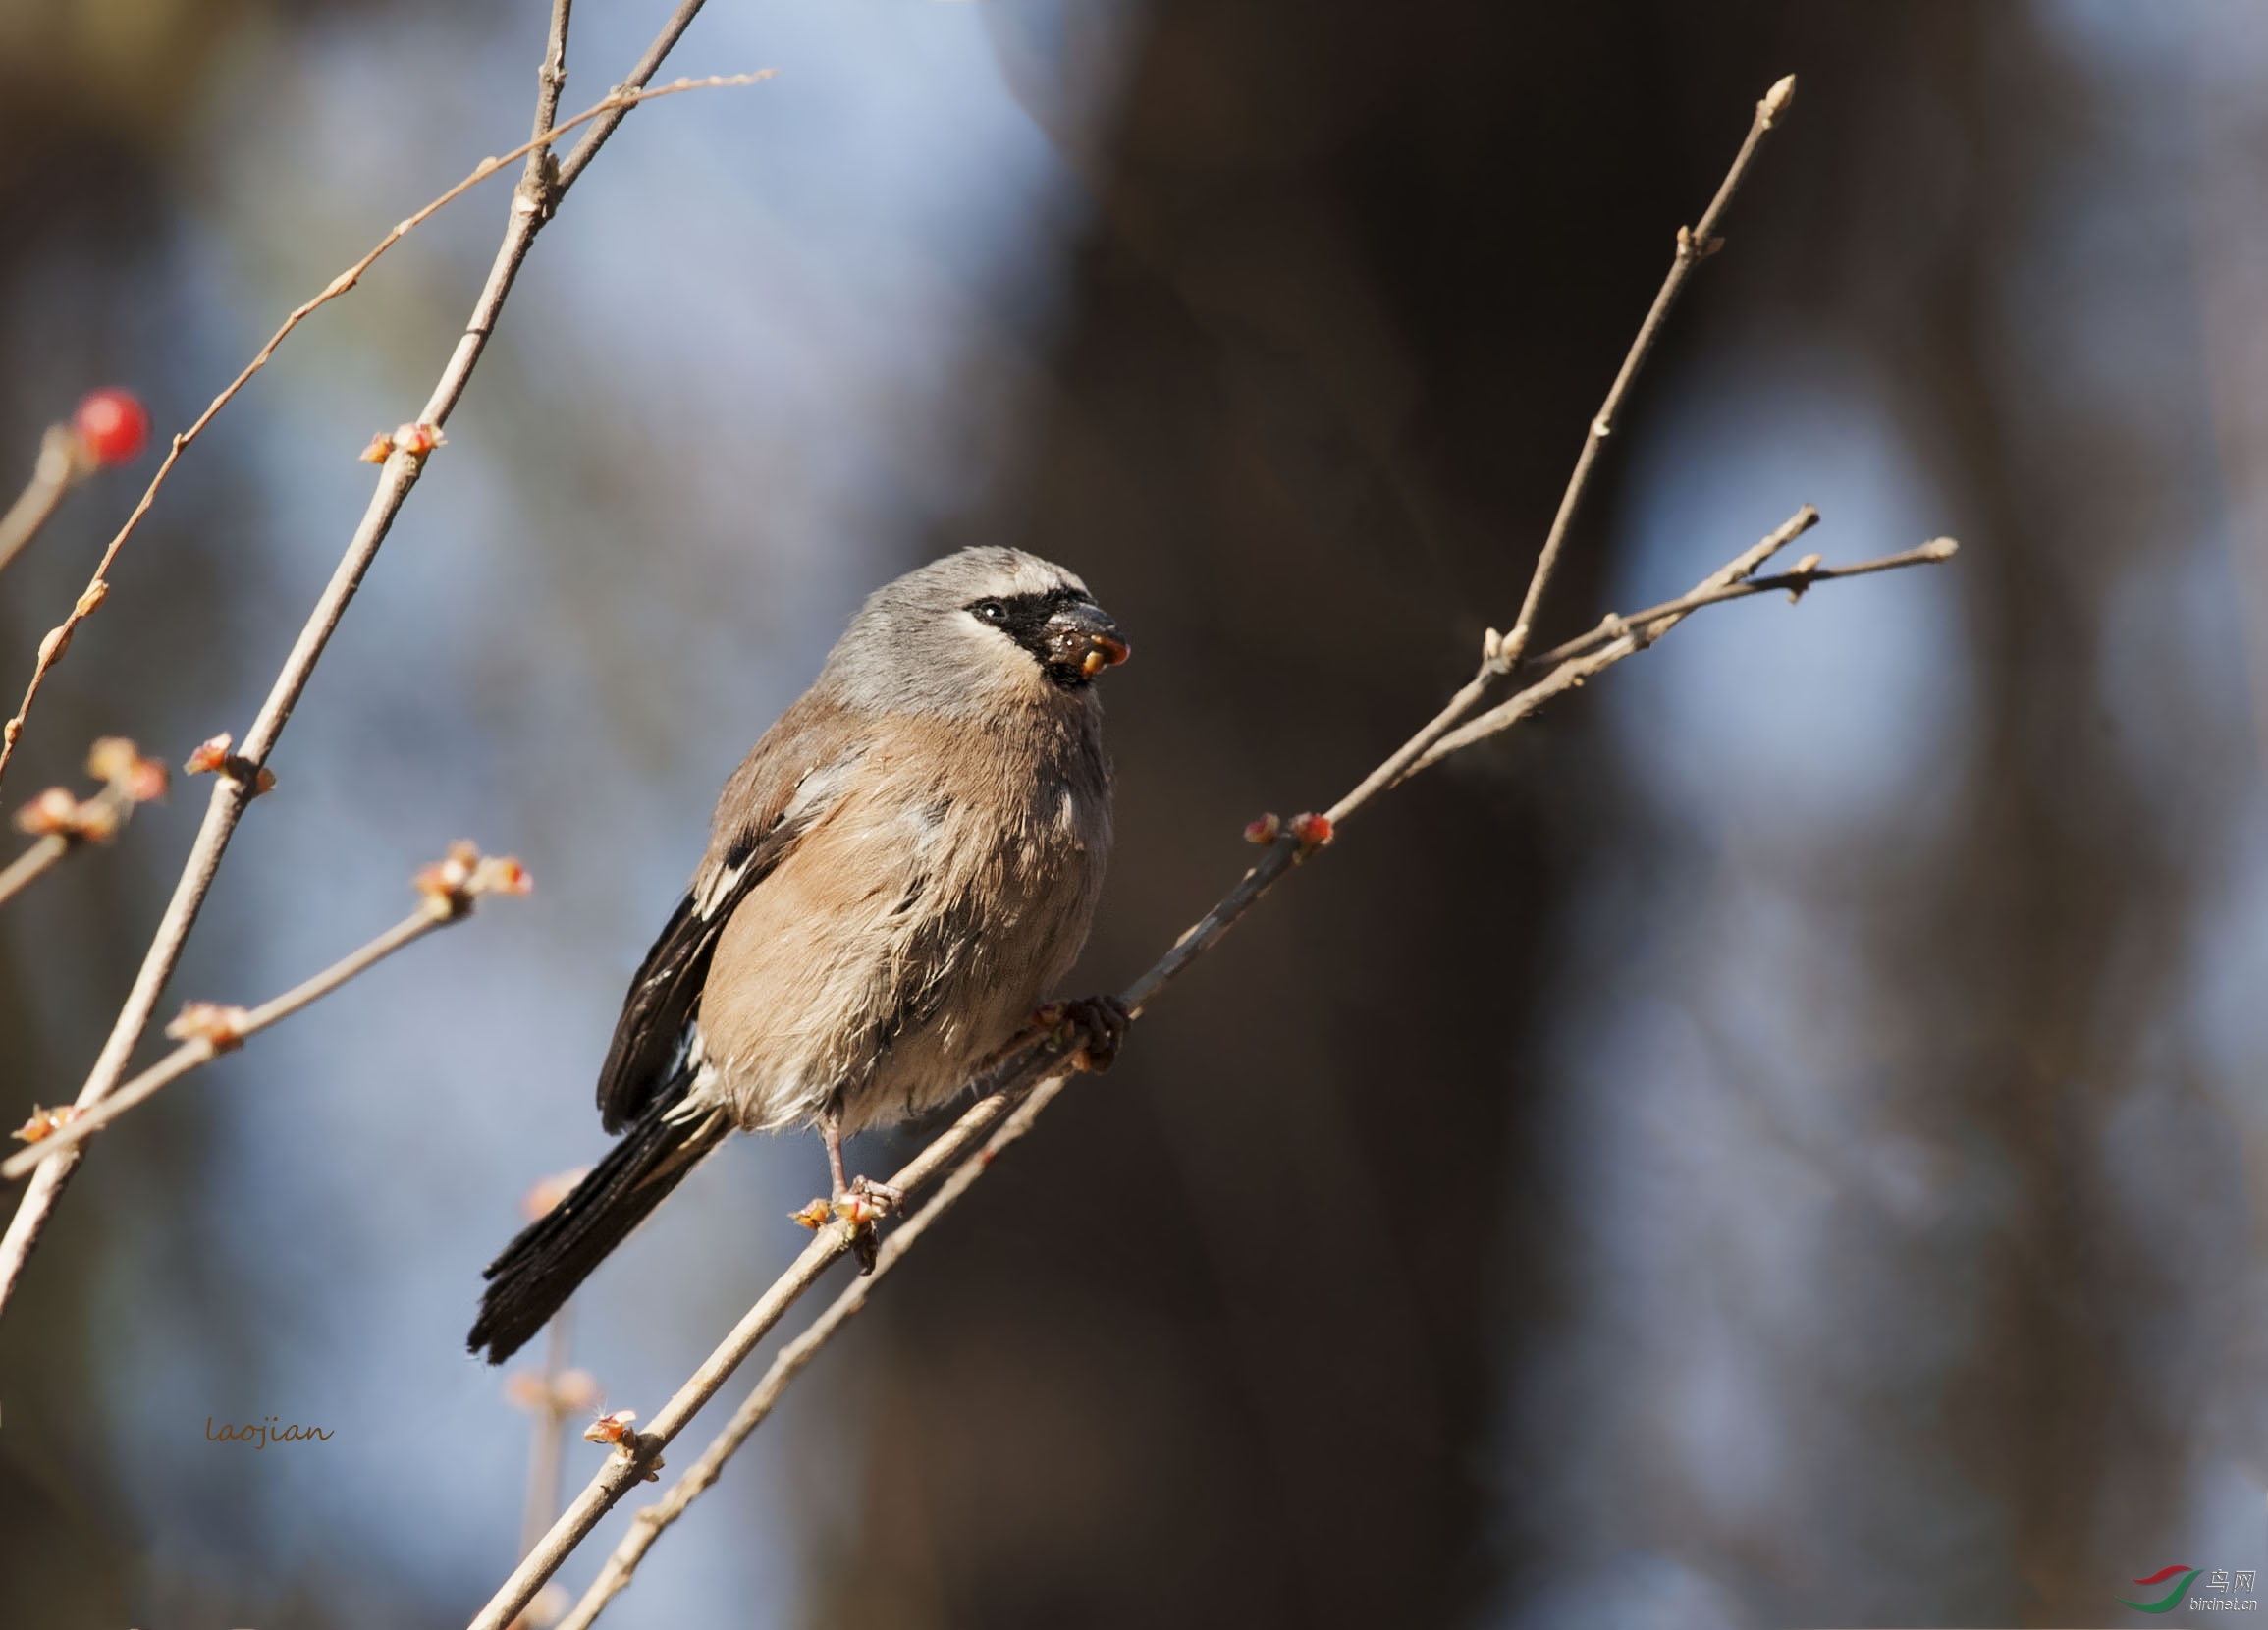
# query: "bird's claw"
1096, 1025
880, 1195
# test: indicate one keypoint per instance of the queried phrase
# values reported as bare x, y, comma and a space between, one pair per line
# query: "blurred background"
1775, 1141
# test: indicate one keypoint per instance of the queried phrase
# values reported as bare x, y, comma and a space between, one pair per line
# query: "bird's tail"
556, 1252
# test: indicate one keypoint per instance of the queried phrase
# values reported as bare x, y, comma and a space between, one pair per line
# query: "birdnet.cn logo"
2223, 1592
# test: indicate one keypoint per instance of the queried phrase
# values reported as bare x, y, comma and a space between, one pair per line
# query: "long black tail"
556, 1252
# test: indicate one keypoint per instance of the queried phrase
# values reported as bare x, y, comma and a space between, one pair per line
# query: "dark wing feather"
662, 998
792, 778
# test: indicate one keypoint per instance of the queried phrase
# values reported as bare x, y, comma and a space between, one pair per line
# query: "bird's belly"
886, 1008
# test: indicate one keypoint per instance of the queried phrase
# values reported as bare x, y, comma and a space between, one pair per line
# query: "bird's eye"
992, 611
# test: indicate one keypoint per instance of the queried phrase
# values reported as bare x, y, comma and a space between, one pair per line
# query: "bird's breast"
908, 935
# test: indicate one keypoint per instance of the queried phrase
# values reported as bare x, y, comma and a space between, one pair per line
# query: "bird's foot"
1094, 1026
862, 1202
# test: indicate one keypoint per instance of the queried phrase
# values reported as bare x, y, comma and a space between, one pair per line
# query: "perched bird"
896, 875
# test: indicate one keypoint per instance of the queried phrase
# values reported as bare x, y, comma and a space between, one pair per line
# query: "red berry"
112, 424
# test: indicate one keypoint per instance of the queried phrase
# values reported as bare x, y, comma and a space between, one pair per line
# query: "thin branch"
640, 1453
658, 52
209, 1030
1693, 247
1606, 645
536, 197
108, 806
647, 1523
1502, 654
235, 789
35, 858
52, 476
60, 823
1402, 762
1796, 583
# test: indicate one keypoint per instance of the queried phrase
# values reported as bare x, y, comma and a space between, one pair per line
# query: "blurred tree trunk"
1227, 1344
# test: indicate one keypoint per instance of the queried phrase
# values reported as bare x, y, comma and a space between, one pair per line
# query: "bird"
896, 876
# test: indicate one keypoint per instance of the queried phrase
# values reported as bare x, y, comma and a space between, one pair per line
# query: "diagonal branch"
1504, 653
234, 790
51, 478
538, 194
1692, 248
207, 1030
639, 1453
1621, 636
647, 1523
60, 823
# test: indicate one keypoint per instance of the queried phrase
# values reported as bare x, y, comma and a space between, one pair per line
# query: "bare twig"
640, 1451
35, 858
535, 199
647, 1523
1621, 636
53, 474
1504, 653
207, 1031
60, 823
234, 792
1693, 247
52, 846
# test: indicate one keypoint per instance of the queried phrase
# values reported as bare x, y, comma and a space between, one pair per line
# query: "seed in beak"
1104, 652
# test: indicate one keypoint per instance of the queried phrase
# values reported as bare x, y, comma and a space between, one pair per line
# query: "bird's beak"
1084, 637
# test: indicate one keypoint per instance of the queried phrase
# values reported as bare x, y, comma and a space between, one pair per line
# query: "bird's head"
980, 630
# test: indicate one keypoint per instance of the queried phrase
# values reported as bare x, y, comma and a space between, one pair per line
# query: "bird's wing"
792, 778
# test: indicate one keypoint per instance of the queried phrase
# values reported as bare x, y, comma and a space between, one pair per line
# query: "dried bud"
1312, 830
94, 594
210, 755
211, 1021
45, 1122
453, 883
381, 448
119, 762
611, 1429
51, 811
500, 874
550, 1191
417, 440
443, 881
263, 781
1776, 99
56, 813
1266, 830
